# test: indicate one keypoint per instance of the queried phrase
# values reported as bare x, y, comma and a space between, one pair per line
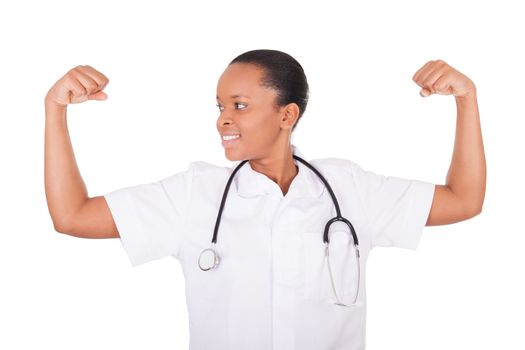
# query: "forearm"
64, 187
467, 173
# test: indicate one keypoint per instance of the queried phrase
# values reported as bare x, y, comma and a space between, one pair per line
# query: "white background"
462, 289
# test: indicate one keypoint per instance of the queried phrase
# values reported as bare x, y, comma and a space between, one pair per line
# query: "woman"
271, 283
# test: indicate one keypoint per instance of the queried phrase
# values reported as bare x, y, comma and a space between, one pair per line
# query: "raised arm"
70, 208
463, 194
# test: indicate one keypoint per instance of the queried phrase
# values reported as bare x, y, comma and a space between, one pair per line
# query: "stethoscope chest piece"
208, 259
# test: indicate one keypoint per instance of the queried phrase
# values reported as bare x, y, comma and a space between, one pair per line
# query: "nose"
223, 119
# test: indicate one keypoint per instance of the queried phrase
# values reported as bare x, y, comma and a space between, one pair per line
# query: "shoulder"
335, 165
207, 177
198, 177
195, 171
346, 171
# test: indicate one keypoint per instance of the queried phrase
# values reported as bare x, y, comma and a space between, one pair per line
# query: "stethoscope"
209, 259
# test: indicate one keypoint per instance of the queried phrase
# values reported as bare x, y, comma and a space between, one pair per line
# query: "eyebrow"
235, 96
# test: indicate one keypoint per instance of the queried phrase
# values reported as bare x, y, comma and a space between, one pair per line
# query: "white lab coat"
272, 288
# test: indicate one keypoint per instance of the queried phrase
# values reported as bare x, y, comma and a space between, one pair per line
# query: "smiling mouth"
230, 137
230, 140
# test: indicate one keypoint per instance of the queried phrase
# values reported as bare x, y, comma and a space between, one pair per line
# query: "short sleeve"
151, 217
397, 209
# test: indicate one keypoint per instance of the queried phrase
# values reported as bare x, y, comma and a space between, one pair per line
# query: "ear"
289, 115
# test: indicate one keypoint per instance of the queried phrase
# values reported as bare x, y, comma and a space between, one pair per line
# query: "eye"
237, 106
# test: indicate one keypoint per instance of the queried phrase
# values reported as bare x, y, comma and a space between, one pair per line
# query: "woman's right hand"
80, 84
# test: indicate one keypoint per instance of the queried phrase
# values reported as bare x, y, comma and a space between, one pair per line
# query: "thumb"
424, 93
101, 95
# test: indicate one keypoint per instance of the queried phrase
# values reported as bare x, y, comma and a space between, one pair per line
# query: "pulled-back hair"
282, 73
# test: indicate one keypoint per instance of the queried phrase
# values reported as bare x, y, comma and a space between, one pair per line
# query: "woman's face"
247, 109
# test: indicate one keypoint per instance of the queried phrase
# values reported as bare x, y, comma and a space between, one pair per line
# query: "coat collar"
250, 183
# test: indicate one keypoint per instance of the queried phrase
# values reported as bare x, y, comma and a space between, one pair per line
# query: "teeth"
232, 137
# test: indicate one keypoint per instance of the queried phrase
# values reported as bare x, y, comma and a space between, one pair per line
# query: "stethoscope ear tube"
358, 268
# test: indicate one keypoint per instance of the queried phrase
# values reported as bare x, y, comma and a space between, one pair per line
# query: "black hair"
282, 73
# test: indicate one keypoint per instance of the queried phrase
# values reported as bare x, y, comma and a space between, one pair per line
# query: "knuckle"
76, 92
73, 72
89, 85
441, 85
68, 79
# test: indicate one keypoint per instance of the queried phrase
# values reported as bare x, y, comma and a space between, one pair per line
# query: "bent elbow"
475, 211
61, 226
480, 209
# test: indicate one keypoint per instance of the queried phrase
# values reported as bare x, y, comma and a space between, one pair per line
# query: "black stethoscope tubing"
338, 216
215, 259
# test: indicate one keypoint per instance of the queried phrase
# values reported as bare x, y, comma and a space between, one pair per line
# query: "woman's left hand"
437, 77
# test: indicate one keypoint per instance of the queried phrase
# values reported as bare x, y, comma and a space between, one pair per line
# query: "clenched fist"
437, 77
80, 84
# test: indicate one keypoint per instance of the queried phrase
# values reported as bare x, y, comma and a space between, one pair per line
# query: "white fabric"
272, 288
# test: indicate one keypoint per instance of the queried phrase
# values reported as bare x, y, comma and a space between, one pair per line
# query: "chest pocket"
317, 282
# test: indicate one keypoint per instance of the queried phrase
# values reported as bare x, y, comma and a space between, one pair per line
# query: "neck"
279, 167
